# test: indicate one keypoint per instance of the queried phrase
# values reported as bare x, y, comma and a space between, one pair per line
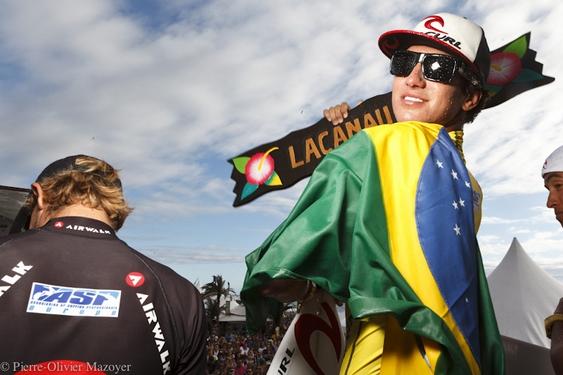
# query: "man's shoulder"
16, 239
167, 276
387, 134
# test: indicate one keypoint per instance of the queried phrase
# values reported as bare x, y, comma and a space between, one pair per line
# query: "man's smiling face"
417, 99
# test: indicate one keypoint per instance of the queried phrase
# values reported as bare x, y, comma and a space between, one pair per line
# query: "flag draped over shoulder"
386, 224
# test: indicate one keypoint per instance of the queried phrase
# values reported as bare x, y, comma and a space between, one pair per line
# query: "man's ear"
38, 191
471, 99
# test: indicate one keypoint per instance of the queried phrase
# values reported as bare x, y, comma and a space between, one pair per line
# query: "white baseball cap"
448, 32
554, 162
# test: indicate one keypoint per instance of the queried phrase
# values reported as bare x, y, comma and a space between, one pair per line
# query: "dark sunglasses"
435, 67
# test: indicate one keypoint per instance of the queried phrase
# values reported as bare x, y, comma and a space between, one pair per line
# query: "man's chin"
410, 115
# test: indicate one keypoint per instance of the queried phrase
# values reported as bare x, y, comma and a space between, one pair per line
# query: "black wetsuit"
74, 296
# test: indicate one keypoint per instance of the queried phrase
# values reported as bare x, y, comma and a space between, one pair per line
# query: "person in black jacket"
75, 298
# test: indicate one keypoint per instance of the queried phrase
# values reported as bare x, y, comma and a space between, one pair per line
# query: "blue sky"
167, 91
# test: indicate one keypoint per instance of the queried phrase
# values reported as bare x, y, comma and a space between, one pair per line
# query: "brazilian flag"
386, 224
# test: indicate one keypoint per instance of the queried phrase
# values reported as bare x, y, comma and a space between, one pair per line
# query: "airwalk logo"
82, 228
11, 278
62, 300
159, 339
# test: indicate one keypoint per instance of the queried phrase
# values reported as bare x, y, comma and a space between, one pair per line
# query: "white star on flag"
461, 202
439, 164
467, 184
454, 175
454, 204
457, 230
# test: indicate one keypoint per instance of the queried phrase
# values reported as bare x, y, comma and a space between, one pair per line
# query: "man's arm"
288, 290
192, 335
557, 341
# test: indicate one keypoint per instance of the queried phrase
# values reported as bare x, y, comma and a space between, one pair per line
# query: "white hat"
448, 32
554, 162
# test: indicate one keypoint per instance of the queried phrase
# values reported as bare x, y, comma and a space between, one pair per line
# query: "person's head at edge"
552, 173
78, 185
435, 90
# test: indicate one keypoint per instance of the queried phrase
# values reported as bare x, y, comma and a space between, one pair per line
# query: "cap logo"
437, 33
445, 38
434, 19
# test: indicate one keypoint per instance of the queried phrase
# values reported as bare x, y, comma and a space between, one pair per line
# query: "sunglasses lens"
439, 68
402, 63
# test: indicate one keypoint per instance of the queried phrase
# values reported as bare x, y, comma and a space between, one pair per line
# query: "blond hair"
90, 182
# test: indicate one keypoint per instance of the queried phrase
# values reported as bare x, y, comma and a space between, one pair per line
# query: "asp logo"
62, 300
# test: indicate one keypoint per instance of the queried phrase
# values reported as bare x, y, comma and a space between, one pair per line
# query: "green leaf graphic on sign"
528, 75
247, 190
492, 89
274, 180
519, 46
240, 163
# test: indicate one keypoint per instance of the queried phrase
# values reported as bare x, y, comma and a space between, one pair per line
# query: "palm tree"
212, 311
216, 289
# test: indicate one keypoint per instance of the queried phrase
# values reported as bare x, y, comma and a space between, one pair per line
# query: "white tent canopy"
523, 296
233, 311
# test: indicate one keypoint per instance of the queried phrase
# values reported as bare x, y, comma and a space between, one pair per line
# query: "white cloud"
169, 104
508, 144
488, 220
180, 256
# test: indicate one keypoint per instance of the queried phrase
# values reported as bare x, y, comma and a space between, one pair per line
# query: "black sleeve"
193, 338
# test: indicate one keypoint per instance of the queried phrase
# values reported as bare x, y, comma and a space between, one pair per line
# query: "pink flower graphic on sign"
258, 170
260, 167
505, 66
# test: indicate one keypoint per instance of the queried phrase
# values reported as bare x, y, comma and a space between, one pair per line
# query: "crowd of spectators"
231, 350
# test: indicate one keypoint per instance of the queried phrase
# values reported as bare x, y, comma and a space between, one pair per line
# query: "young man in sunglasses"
372, 230
442, 87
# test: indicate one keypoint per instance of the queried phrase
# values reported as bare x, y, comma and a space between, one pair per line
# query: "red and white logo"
135, 279
434, 19
59, 224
